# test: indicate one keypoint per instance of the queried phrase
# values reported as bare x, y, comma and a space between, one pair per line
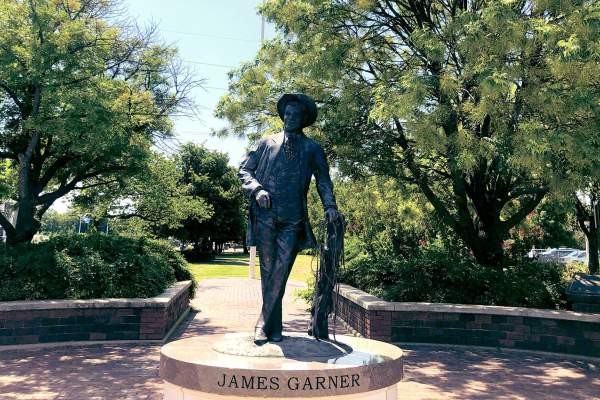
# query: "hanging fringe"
331, 254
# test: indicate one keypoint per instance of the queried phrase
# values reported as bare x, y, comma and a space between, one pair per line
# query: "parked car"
555, 255
577, 255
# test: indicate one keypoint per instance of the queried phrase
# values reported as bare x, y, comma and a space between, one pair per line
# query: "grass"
236, 265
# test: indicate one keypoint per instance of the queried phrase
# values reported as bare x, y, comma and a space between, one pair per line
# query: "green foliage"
55, 222
307, 294
7, 178
446, 274
552, 224
155, 201
89, 266
83, 97
588, 218
210, 178
382, 216
485, 106
395, 248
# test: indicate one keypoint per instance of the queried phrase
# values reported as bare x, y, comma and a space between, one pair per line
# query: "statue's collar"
294, 136
279, 138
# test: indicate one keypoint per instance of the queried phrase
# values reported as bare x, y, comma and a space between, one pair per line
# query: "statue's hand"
332, 214
263, 199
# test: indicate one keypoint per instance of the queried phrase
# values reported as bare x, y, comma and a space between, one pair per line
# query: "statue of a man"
276, 175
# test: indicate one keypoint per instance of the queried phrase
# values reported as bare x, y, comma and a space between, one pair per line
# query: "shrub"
194, 255
443, 274
89, 266
177, 261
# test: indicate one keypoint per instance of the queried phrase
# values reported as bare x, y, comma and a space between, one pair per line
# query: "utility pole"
252, 261
595, 205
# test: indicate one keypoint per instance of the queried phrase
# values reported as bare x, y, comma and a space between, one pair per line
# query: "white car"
575, 256
554, 255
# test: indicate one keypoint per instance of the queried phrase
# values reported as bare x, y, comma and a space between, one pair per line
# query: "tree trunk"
485, 242
489, 253
593, 262
26, 225
477, 200
588, 224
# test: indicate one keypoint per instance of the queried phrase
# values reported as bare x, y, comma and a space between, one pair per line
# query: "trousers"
277, 245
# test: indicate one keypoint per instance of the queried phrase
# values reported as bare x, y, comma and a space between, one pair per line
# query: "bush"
194, 255
89, 266
443, 274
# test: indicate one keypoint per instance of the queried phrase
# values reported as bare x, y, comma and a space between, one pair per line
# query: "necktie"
289, 148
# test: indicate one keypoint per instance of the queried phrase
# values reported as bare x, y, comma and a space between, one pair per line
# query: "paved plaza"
229, 305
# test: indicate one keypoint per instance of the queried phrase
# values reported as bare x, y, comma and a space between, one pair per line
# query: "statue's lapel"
276, 144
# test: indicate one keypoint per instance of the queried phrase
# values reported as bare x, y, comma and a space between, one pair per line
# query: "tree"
552, 224
155, 199
382, 216
55, 222
82, 99
588, 212
214, 181
463, 98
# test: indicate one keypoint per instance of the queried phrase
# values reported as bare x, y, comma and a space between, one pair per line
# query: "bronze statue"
276, 175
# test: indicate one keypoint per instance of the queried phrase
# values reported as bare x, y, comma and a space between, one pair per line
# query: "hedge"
89, 266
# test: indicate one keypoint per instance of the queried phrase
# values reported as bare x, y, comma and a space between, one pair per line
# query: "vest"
285, 187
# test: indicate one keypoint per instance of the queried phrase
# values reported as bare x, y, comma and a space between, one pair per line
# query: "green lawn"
236, 265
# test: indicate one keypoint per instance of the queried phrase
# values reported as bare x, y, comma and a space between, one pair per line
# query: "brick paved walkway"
223, 305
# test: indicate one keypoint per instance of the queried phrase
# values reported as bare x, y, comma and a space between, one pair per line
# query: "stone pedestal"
231, 366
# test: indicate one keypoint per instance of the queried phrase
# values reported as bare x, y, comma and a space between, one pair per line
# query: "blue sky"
223, 33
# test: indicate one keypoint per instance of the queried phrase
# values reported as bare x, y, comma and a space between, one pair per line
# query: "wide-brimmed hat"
309, 105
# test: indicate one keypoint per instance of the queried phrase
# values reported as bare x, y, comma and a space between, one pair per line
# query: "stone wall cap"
584, 288
370, 302
160, 301
364, 299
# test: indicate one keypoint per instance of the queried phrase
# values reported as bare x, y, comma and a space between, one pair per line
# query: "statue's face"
293, 117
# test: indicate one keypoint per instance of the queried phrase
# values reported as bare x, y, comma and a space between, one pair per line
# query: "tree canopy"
155, 201
83, 96
212, 179
485, 106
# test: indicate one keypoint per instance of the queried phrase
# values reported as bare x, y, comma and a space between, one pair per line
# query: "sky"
221, 33
212, 38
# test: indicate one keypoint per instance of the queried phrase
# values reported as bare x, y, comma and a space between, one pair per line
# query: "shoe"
276, 337
311, 332
260, 337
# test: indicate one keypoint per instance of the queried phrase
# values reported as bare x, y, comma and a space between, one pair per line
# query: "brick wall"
155, 323
90, 320
509, 327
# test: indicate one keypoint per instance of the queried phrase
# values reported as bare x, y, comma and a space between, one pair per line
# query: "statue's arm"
324, 184
248, 168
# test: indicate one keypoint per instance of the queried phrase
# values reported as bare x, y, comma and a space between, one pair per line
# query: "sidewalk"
228, 305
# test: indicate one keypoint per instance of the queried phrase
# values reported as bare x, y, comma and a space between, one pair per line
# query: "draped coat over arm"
257, 166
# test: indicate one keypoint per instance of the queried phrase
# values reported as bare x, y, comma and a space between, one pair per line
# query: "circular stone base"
232, 366
291, 347
174, 392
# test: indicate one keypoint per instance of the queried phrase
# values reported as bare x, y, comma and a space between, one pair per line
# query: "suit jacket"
258, 165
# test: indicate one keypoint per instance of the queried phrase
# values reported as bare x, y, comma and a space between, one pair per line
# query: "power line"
210, 36
214, 88
209, 64
177, 132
